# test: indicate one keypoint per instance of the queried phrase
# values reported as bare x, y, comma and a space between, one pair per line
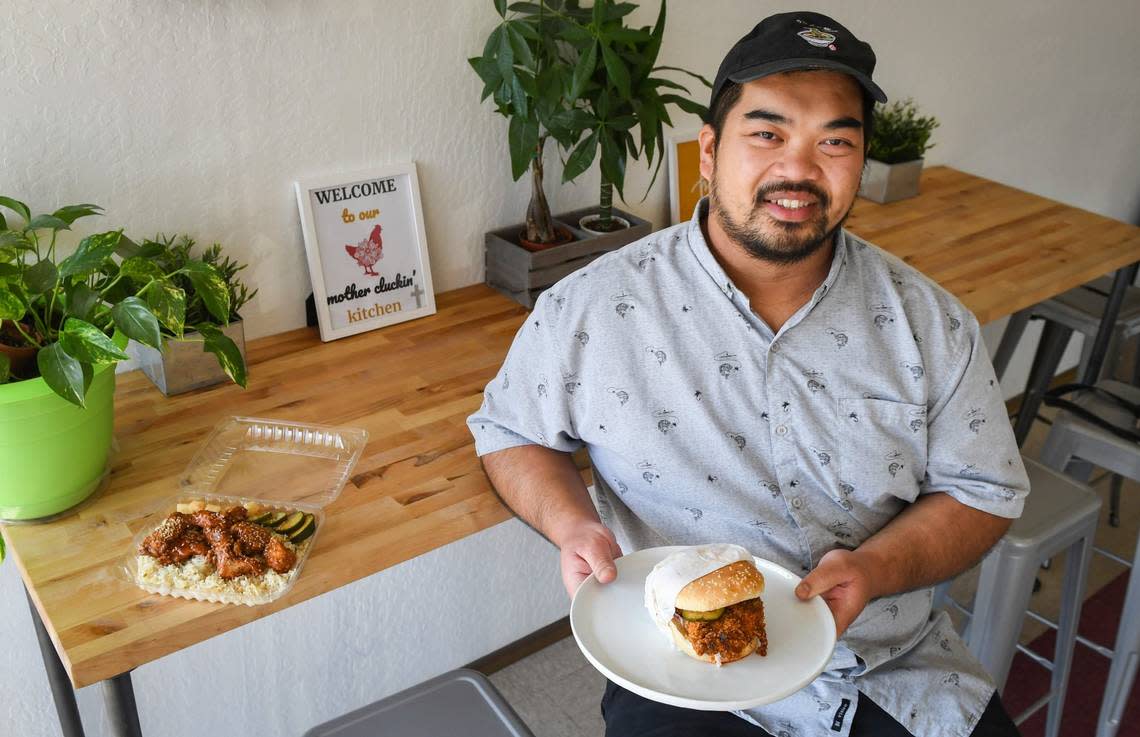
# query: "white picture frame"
686, 186
366, 249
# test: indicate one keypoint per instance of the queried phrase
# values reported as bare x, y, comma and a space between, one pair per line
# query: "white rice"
198, 579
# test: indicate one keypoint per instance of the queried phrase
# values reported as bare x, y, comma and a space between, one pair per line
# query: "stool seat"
461, 703
1060, 516
1073, 444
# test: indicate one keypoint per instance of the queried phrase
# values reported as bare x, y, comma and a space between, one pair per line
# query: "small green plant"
900, 134
213, 297
66, 315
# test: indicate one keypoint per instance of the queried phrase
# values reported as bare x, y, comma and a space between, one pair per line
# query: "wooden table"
418, 485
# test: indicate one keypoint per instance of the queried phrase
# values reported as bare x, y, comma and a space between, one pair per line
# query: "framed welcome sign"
364, 239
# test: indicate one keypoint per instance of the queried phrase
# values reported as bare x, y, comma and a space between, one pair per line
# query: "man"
760, 376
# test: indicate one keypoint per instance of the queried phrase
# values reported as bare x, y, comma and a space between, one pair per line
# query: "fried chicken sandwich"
707, 599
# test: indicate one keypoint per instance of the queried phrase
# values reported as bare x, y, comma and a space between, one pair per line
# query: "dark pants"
630, 715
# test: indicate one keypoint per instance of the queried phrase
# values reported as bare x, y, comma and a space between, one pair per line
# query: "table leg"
1054, 338
1120, 283
119, 695
61, 690
1010, 339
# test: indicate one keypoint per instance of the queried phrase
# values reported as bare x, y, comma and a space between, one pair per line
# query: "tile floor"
556, 691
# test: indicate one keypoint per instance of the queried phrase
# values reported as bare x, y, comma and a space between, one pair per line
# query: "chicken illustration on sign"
368, 251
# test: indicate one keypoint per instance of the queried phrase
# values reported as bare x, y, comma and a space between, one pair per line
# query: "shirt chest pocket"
881, 457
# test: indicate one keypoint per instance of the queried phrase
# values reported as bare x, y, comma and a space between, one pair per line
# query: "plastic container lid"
274, 461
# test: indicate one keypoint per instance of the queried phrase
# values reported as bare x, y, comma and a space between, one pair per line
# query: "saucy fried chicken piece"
192, 542
232, 565
159, 543
249, 539
209, 520
279, 557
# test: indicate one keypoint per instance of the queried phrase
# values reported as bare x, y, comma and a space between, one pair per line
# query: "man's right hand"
591, 548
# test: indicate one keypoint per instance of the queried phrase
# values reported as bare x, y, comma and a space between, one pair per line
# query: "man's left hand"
843, 580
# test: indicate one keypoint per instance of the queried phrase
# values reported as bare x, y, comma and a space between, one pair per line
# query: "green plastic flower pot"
53, 454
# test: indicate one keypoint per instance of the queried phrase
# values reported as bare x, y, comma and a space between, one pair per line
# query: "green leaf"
226, 351
7, 271
81, 301
92, 252
519, 45
518, 97
70, 213
655, 37
11, 306
41, 277
505, 55
11, 239
686, 71
41, 222
581, 157
587, 62
523, 137
488, 71
531, 8
63, 373
168, 303
17, 207
616, 69
686, 104
613, 162
127, 248
149, 249
211, 287
86, 342
137, 322
660, 82
5, 372
598, 15
501, 8
627, 35
140, 269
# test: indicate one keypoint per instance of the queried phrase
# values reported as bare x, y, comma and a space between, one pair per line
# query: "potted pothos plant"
900, 137
73, 316
209, 323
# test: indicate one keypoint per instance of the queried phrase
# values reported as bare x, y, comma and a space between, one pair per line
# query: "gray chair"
1060, 517
1073, 444
460, 703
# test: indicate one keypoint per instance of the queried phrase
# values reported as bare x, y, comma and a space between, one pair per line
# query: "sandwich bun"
728, 585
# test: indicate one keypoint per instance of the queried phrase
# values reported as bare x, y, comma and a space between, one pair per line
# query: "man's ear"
707, 141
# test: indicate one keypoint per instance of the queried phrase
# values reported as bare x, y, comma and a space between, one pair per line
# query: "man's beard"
795, 241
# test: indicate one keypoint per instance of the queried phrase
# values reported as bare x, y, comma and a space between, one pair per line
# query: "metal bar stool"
1053, 341
1073, 444
1060, 517
460, 703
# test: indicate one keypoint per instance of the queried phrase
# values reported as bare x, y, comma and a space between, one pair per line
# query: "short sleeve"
528, 401
971, 451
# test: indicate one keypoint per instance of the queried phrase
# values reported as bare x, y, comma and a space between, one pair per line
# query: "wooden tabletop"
998, 249
418, 484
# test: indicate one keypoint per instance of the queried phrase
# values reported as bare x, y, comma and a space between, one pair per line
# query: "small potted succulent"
899, 139
209, 323
73, 316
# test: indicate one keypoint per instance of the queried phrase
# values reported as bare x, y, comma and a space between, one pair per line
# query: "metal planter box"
885, 183
183, 365
523, 275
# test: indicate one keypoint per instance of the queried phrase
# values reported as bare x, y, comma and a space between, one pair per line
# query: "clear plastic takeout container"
269, 467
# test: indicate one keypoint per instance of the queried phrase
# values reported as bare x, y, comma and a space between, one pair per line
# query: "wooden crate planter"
522, 275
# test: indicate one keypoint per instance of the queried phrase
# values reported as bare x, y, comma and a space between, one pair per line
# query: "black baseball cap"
789, 42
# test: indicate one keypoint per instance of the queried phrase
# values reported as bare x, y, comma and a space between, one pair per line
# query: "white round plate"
616, 634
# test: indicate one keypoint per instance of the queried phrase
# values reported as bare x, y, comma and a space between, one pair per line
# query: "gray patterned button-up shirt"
704, 426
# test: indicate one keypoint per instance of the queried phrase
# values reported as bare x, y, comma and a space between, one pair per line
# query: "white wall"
196, 116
